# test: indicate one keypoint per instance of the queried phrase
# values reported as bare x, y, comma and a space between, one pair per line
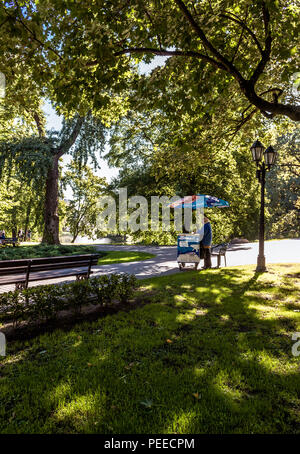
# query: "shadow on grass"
204, 357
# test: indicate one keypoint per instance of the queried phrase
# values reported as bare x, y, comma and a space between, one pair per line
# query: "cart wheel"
196, 266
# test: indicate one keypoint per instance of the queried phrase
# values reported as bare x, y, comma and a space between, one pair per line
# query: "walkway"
164, 262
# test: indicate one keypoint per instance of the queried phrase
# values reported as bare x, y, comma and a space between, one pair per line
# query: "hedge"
45, 301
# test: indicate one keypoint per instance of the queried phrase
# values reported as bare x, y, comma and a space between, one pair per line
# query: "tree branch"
39, 125
166, 53
33, 34
268, 45
226, 64
65, 147
245, 27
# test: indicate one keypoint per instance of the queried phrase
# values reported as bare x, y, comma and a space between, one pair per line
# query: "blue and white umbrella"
199, 201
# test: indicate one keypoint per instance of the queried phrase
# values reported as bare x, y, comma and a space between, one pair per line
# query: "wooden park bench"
219, 250
5, 241
21, 272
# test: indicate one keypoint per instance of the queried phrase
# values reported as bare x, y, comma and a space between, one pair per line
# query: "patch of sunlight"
60, 392
270, 362
200, 371
12, 359
260, 295
201, 312
180, 298
181, 422
186, 286
78, 409
214, 291
146, 288
77, 343
231, 392
263, 308
188, 316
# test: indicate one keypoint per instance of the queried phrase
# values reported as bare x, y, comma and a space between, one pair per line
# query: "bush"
76, 294
127, 282
45, 301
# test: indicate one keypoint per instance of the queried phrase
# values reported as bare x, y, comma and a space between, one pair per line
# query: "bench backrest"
220, 248
47, 263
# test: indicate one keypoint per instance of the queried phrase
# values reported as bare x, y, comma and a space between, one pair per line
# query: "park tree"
95, 47
37, 157
21, 206
283, 188
162, 157
83, 208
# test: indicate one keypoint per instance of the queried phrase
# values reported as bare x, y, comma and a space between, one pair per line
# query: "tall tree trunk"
51, 227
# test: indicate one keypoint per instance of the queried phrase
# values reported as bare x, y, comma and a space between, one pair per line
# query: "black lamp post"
264, 161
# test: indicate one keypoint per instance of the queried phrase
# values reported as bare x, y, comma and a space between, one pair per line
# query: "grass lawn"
41, 250
123, 256
209, 352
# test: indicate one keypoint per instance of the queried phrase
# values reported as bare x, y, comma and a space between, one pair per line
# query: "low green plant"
77, 293
127, 283
45, 301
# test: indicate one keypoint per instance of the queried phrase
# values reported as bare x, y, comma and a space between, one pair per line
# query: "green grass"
43, 250
210, 352
123, 256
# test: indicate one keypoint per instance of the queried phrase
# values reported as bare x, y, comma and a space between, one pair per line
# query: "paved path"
283, 251
164, 262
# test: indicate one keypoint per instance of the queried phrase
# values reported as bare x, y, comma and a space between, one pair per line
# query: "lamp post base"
261, 264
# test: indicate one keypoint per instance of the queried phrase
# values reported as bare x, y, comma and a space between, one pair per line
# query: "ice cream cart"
188, 250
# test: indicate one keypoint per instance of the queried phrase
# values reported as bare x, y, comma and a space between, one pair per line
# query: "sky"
55, 122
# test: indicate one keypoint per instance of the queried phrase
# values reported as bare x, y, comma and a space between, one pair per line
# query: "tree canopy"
95, 46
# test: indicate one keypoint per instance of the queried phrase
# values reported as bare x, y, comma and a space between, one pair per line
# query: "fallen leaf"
169, 341
147, 403
197, 395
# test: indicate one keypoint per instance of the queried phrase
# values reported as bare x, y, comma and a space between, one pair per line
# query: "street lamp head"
257, 150
270, 156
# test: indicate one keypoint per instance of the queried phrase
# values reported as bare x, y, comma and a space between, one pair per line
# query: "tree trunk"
51, 227
74, 237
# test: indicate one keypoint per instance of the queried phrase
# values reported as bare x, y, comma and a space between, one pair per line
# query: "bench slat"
46, 267
41, 276
47, 260
14, 271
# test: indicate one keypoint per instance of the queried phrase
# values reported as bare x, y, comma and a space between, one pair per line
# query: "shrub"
45, 301
127, 282
77, 294
16, 306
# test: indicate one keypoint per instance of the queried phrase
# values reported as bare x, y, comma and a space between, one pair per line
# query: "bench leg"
225, 260
81, 277
20, 285
219, 261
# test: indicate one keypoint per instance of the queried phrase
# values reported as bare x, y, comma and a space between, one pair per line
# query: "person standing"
206, 241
